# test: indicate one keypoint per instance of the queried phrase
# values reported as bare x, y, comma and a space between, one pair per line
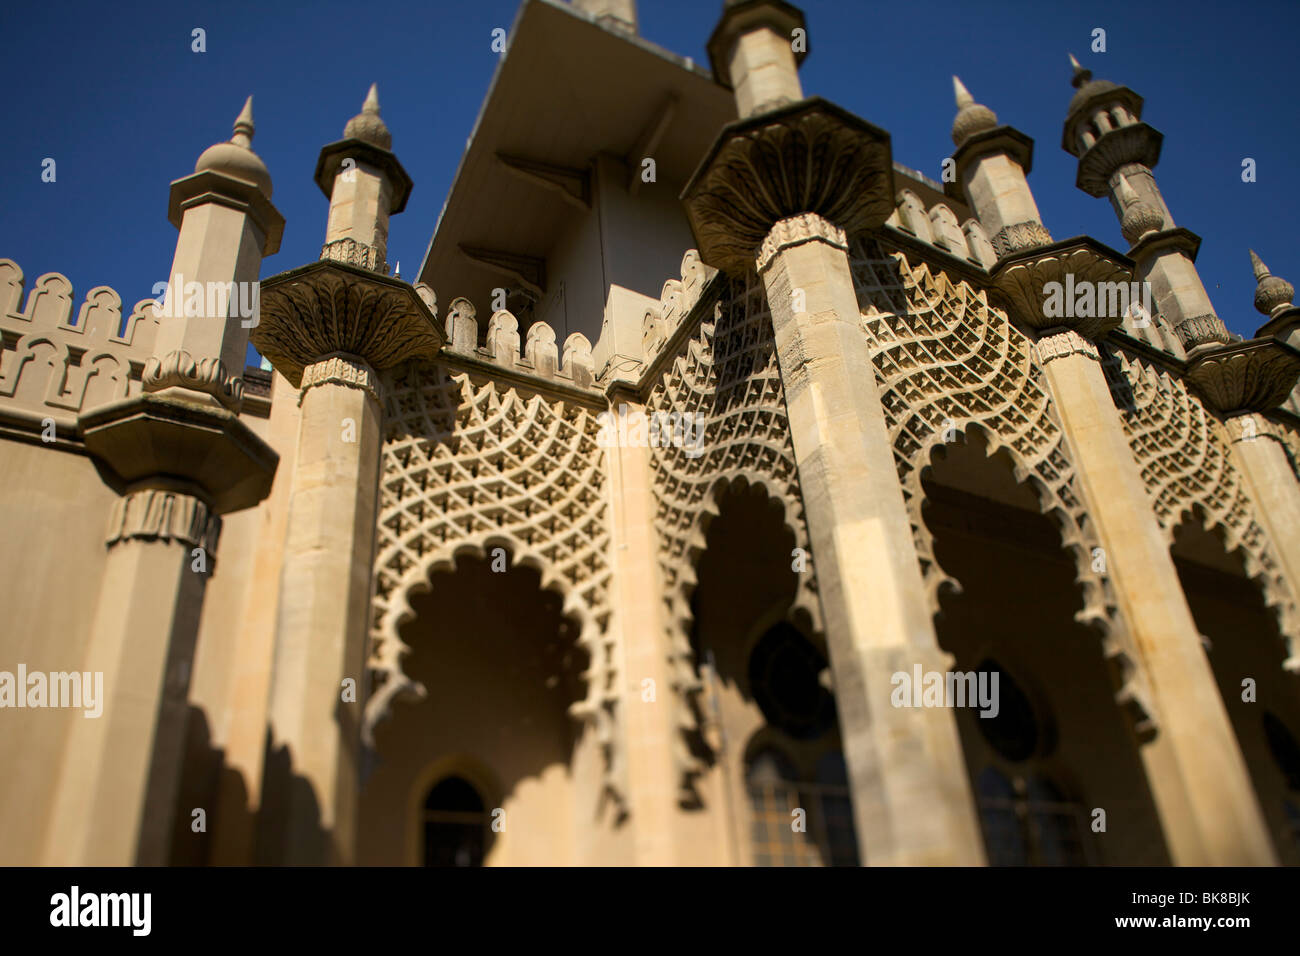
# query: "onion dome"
971, 117
236, 157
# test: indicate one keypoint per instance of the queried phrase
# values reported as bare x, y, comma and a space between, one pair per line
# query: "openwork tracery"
470, 465
726, 376
946, 361
1183, 452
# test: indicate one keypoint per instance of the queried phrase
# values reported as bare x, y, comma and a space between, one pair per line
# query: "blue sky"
115, 95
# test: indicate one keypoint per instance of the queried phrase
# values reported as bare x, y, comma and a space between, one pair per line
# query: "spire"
962, 94
1272, 293
1081, 75
244, 126
1139, 217
236, 157
971, 117
367, 126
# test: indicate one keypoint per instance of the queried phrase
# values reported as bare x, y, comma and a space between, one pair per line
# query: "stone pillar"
755, 49
182, 456
650, 726
311, 783
911, 799
1258, 451
329, 328
115, 802
1197, 775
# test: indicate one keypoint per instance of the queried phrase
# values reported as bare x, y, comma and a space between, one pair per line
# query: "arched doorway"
488, 767
1059, 749
776, 773
1246, 653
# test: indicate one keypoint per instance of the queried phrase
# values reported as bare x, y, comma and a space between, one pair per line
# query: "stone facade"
650, 584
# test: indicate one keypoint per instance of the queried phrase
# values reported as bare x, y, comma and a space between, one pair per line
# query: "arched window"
455, 824
837, 838
1028, 821
770, 780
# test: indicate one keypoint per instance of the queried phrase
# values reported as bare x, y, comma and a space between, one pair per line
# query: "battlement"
52, 367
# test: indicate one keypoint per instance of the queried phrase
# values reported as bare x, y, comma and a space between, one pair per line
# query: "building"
721, 492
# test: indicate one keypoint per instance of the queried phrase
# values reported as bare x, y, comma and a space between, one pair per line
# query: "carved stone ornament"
947, 362
726, 376
327, 307
1256, 375
164, 516
1020, 236
1183, 454
809, 157
1202, 330
796, 231
1135, 143
209, 375
346, 370
1029, 282
1063, 344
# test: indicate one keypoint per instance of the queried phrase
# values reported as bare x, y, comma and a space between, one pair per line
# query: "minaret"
365, 184
1117, 151
992, 162
779, 194
183, 458
227, 225
752, 50
330, 328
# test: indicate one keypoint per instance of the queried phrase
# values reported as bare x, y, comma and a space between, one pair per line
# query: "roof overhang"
566, 90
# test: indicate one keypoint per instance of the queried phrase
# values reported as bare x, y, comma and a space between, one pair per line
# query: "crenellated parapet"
938, 226
54, 366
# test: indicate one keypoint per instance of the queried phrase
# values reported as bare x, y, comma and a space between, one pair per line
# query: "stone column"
1194, 766
181, 456
329, 328
115, 802
1258, 451
650, 727
312, 784
912, 803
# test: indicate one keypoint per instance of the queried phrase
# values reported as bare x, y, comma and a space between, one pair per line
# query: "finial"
1140, 217
961, 93
971, 117
244, 126
1272, 293
235, 157
366, 125
1081, 75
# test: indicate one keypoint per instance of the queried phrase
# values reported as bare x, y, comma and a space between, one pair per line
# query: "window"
1028, 821
773, 798
455, 824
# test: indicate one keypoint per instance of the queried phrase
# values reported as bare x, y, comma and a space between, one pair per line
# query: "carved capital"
1254, 375
155, 515
1122, 146
1072, 284
346, 370
353, 253
1062, 344
328, 308
1251, 427
1202, 330
809, 157
209, 375
1020, 235
797, 230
